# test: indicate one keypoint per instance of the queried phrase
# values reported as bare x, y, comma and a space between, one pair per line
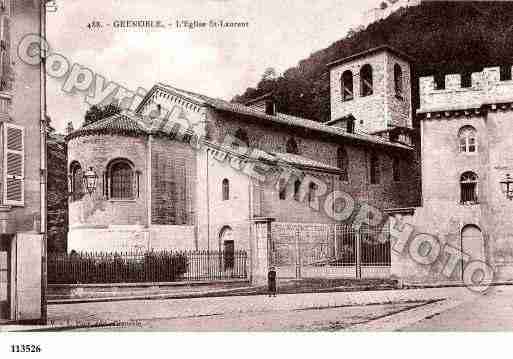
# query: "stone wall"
486, 89
214, 213
97, 151
26, 111
173, 181
131, 238
442, 214
388, 193
369, 111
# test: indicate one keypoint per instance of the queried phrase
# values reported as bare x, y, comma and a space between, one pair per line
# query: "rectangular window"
466, 79
282, 189
396, 169
472, 144
439, 81
374, 170
463, 144
505, 73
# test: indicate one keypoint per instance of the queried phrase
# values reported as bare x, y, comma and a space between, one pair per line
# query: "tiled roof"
277, 158
303, 161
371, 51
121, 123
281, 118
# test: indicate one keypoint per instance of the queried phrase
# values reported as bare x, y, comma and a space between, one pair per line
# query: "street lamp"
90, 177
507, 186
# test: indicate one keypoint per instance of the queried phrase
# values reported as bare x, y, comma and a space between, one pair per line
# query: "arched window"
121, 179
467, 136
282, 189
366, 80
297, 188
292, 146
374, 169
75, 179
226, 189
312, 189
242, 136
342, 163
468, 184
396, 169
347, 86
398, 81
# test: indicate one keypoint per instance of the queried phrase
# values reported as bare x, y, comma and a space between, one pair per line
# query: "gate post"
358, 254
261, 253
298, 253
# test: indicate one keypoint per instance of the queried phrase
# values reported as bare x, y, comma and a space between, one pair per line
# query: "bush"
116, 268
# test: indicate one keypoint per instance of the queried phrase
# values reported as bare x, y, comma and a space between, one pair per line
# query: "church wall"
214, 213
173, 182
96, 211
388, 193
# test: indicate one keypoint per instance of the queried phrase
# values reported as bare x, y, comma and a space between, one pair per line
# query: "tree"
96, 113
269, 74
467, 37
49, 127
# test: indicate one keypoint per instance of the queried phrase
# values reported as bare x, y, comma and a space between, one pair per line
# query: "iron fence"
374, 246
140, 267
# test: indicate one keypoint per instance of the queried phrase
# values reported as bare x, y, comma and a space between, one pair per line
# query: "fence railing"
153, 266
375, 246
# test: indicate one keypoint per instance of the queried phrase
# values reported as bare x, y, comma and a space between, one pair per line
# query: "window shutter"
14, 165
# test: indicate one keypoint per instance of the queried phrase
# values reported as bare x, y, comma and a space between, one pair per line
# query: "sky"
215, 62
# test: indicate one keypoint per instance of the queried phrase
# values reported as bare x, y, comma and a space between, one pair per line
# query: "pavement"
492, 311
134, 313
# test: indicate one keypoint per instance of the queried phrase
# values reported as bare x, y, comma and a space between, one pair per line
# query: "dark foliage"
116, 268
96, 113
445, 37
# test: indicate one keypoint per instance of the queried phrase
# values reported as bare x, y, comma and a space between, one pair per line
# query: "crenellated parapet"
462, 92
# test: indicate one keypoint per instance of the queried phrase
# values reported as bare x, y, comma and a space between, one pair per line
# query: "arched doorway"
228, 247
472, 243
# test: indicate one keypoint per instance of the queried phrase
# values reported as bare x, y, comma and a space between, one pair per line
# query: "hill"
445, 37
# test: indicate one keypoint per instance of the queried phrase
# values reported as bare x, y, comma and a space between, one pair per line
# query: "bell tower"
373, 88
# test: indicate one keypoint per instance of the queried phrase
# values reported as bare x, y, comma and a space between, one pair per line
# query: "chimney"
69, 128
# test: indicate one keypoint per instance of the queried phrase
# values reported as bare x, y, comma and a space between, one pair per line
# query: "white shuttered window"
14, 166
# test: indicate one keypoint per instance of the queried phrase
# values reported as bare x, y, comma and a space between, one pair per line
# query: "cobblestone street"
309, 311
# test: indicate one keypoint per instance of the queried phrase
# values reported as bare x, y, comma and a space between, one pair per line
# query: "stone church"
156, 190
187, 171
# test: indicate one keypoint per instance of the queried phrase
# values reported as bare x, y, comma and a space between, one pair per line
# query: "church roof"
372, 51
302, 161
277, 158
280, 118
122, 123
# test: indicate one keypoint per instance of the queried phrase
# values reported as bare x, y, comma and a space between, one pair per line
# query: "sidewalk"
108, 293
128, 313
